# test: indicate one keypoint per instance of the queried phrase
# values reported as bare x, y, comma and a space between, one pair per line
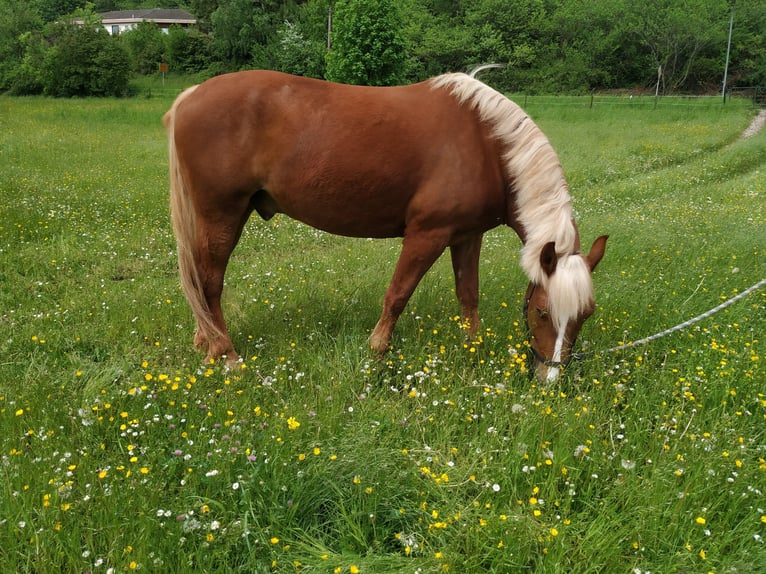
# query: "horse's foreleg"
465, 265
419, 251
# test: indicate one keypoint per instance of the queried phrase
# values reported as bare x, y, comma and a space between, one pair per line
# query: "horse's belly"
352, 217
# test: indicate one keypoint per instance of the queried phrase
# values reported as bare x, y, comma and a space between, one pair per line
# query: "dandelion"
581, 450
700, 520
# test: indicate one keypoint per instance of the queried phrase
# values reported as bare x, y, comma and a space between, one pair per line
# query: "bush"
146, 45
86, 61
188, 51
367, 47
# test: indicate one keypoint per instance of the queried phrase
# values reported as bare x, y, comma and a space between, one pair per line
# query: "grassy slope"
119, 450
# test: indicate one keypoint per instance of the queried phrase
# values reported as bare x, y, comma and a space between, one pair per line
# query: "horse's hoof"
378, 345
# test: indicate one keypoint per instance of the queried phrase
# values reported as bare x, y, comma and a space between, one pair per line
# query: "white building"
123, 20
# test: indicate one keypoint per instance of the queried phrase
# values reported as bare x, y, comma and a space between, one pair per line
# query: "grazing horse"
437, 163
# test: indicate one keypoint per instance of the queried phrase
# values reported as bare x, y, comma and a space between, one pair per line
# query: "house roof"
162, 15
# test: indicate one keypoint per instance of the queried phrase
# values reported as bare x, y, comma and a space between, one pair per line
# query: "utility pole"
728, 51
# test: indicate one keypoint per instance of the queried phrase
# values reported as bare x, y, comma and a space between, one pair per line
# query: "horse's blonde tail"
185, 229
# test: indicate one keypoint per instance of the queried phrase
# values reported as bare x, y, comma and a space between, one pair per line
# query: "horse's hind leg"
419, 251
465, 265
218, 234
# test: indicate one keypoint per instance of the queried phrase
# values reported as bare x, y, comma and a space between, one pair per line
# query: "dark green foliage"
368, 47
188, 51
146, 44
545, 45
86, 62
17, 23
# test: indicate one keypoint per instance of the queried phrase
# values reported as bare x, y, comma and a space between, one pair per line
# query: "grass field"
120, 451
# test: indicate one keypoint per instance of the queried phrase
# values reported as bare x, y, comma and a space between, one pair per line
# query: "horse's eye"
542, 313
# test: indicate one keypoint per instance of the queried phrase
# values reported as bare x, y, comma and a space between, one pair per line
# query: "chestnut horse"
437, 163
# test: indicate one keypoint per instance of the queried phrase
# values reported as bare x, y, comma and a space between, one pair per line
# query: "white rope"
683, 325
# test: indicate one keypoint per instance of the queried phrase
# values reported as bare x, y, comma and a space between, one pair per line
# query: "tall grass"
120, 451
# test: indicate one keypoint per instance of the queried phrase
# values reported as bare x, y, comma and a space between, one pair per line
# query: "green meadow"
121, 451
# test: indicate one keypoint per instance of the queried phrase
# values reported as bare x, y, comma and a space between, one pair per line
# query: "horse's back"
351, 160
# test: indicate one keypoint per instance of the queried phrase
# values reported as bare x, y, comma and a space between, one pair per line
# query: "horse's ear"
549, 258
596, 252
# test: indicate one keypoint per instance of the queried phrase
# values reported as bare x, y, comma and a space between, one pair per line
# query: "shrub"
86, 61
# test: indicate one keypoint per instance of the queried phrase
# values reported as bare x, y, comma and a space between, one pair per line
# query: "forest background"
547, 46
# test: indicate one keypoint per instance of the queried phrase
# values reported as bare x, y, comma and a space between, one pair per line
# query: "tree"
367, 44
17, 22
748, 44
146, 44
188, 51
437, 38
52, 10
512, 32
676, 33
296, 54
244, 31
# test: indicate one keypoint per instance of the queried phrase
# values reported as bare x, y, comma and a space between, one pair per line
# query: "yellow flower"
274, 540
700, 520
354, 569
292, 424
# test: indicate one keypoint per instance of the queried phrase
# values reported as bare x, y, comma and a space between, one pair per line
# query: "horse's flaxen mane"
542, 202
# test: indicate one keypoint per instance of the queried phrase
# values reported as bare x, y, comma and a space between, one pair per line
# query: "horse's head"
556, 308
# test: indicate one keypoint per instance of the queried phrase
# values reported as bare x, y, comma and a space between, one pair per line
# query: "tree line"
552, 46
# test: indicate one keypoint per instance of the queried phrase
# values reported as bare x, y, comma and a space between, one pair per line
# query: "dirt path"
755, 126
